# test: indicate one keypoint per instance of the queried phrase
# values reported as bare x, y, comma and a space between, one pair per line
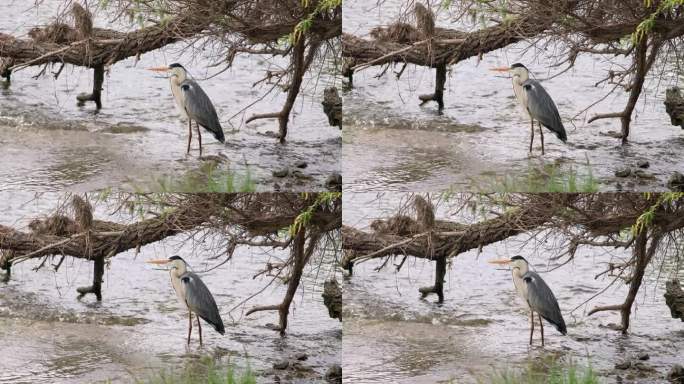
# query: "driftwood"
83, 45
98, 240
674, 106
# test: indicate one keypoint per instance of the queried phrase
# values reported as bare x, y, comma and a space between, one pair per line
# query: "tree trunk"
636, 86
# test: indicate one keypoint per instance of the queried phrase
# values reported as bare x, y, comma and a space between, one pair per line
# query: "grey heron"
193, 103
538, 296
192, 294
536, 102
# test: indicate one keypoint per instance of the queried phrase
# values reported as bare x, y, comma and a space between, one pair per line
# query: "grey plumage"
536, 102
541, 107
538, 296
542, 300
200, 301
199, 107
193, 295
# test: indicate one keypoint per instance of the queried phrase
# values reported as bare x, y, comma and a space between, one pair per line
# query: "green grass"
547, 178
550, 372
206, 179
203, 371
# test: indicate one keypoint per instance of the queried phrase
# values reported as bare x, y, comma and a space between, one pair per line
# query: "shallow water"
482, 137
138, 140
483, 327
140, 329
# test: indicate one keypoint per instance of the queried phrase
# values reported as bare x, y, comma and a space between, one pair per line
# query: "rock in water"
676, 374
623, 172
332, 106
674, 106
334, 374
332, 298
676, 182
674, 298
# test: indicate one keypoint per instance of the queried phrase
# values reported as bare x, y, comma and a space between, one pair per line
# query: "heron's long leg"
200, 330
532, 131
542, 138
190, 325
541, 325
531, 324
199, 137
189, 134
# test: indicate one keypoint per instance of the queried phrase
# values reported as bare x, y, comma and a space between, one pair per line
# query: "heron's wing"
541, 300
201, 301
540, 105
200, 108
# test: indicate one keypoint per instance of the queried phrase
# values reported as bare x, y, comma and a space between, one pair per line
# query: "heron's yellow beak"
500, 69
159, 69
158, 261
500, 262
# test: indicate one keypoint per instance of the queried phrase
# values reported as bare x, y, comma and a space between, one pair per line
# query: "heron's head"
516, 262
516, 70
175, 71
174, 264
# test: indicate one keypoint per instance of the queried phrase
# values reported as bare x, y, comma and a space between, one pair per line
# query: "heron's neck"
177, 79
176, 272
520, 78
518, 272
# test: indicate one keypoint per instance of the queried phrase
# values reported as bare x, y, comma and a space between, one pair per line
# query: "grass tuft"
553, 372
548, 178
204, 371
206, 179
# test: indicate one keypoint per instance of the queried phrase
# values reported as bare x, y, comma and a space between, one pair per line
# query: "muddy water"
483, 327
137, 141
392, 143
140, 329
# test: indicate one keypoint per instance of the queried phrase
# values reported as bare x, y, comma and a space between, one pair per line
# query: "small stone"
301, 356
676, 374
300, 175
640, 173
643, 356
623, 365
676, 182
283, 364
301, 164
643, 164
281, 172
643, 367
623, 172
334, 374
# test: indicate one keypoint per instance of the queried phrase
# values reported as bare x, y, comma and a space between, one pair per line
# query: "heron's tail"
216, 323
217, 131
558, 323
559, 131
218, 134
